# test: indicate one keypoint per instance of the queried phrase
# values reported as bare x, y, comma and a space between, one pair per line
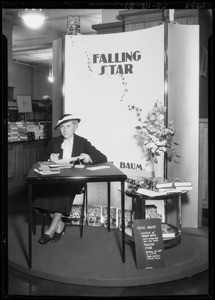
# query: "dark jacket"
80, 145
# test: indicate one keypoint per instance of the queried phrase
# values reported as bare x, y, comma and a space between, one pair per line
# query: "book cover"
168, 231
113, 217
94, 215
151, 212
75, 215
157, 211
128, 218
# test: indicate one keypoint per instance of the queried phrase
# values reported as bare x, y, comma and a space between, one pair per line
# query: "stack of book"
182, 184
16, 132
160, 184
44, 168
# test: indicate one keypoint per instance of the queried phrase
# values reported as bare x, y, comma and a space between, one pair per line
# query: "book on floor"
113, 217
128, 218
94, 215
75, 217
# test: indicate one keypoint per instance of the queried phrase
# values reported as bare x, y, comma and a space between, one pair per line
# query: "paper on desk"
98, 168
64, 163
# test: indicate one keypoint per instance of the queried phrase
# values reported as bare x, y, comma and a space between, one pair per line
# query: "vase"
156, 167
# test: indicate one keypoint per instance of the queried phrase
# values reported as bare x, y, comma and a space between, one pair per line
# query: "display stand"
139, 200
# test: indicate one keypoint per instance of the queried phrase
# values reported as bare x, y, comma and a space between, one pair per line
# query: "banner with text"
105, 76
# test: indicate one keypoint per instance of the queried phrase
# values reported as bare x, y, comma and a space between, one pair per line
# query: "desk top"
86, 174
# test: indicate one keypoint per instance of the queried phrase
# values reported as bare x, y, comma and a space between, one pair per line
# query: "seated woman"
57, 199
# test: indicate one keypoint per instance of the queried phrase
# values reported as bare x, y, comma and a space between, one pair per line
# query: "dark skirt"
56, 198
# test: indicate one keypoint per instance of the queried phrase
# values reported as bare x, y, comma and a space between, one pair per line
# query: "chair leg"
43, 225
82, 214
34, 222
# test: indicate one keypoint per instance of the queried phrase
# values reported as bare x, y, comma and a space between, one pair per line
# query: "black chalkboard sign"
148, 243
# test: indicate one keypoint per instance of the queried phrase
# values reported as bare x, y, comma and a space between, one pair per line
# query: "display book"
51, 167
75, 217
97, 215
158, 186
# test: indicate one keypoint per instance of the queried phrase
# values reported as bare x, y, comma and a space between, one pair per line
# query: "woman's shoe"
44, 239
57, 235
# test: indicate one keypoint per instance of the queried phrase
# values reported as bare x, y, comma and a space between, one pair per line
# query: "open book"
65, 163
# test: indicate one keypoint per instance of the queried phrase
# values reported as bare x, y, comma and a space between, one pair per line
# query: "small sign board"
24, 103
149, 246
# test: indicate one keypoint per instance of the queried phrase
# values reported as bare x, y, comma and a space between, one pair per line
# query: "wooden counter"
21, 156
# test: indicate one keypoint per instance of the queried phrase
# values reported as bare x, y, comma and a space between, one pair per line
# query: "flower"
153, 134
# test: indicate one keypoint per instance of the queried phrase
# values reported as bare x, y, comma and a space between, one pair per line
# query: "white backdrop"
103, 75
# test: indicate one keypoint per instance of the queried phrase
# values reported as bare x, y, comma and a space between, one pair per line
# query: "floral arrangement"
153, 133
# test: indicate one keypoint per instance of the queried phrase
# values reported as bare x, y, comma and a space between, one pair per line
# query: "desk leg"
142, 207
108, 209
179, 216
123, 218
30, 224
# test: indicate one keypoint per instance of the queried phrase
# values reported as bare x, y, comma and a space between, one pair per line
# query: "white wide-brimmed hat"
66, 118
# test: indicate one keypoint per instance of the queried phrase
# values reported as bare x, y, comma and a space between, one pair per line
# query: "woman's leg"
56, 220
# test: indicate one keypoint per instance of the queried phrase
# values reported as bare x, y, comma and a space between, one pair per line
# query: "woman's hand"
85, 157
54, 157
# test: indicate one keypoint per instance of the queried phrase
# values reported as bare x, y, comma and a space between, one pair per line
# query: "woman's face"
67, 129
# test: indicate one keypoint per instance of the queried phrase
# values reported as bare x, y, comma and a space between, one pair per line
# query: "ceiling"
35, 46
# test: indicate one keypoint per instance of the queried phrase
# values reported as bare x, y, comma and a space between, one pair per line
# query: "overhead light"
33, 18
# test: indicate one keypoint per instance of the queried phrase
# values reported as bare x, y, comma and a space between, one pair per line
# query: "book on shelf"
168, 235
182, 182
163, 185
167, 231
94, 215
184, 188
161, 182
113, 217
151, 193
151, 212
167, 189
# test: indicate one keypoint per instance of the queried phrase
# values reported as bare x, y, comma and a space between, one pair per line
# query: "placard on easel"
24, 104
149, 246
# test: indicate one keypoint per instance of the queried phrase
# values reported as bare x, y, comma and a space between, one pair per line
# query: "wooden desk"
84, 175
